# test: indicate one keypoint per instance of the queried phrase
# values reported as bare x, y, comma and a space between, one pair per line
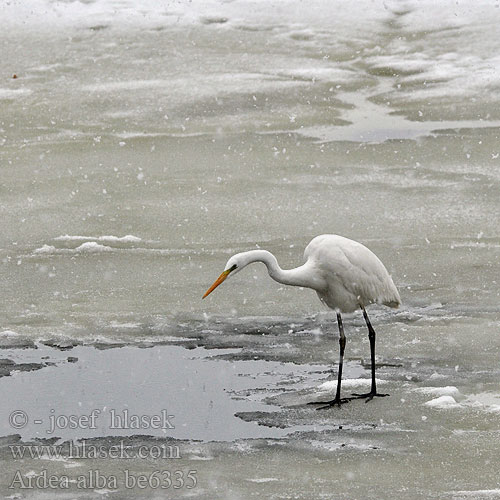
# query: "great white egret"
346, 276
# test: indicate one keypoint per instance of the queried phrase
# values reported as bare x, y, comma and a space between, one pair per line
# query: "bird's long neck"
299, 276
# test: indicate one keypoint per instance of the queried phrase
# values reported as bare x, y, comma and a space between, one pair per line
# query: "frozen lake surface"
141, 146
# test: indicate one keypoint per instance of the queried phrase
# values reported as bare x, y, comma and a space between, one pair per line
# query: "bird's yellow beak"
217, 282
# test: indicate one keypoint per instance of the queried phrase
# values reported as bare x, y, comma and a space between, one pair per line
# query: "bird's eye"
233, 267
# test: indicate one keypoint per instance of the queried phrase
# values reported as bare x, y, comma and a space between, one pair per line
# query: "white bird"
346, 276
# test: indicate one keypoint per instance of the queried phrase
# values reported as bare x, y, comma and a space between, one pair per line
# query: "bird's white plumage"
354, 276
345, 274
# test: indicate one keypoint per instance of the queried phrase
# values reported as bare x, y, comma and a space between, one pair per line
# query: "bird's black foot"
328, 404
369, 396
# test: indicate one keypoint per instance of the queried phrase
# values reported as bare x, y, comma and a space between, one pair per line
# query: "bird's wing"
372, 281
351, 269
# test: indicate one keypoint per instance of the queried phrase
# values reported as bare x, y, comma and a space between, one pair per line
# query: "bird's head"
235, 264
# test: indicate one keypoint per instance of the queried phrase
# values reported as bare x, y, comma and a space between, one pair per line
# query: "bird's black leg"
371, 335
338, 400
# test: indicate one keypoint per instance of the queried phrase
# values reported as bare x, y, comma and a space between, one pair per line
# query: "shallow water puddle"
165, 391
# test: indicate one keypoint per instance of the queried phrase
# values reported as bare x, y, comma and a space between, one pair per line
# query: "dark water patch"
99, 27
214, 20
301, 36
102, 346
16, 342
7, 366
61, 344
262, 418
388, 71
